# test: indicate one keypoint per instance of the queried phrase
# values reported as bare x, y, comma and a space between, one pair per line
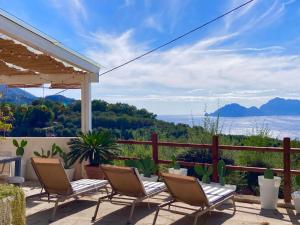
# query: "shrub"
252, 177
200, 156
17, 204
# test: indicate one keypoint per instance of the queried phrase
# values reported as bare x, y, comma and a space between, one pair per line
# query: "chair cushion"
84, 185
215, 193
153, 187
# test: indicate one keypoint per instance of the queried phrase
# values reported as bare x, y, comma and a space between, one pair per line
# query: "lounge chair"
126, 181
188, 190
54, 180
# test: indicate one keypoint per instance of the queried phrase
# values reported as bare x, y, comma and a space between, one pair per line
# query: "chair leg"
196, 219
54, 210
96, 210
156, 215
106, 189
234, 206
129, 221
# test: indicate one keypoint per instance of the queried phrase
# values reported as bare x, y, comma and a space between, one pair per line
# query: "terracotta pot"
94, 172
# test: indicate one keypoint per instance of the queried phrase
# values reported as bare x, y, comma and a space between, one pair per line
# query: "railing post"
154, 140
287, 169
215, 157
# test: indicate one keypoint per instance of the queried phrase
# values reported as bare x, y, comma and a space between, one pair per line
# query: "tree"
5, 118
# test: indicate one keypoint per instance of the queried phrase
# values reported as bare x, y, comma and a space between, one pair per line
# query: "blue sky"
248, 57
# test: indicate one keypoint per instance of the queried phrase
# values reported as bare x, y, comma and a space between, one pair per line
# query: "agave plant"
145, 166
97, 147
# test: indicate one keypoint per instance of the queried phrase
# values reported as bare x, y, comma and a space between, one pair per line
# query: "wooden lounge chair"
54, 180
126, 181
188, 190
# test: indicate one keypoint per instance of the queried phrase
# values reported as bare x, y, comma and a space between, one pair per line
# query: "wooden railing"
215, 148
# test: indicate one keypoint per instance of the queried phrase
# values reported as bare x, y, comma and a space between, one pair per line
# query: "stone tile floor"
80, 212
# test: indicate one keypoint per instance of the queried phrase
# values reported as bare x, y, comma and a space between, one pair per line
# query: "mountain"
15, 95
60, 99
274, 107
19, 96
281, 107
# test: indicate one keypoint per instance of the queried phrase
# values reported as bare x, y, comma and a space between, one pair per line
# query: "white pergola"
29, 58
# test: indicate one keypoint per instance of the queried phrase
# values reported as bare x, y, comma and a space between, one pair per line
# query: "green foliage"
6, 117
268, 174
97, 147
221, 172
55, 150
297, 181
174, 163
205, 172
18, 203
252, 177
200, 156
20, 146
66, 160
145, 166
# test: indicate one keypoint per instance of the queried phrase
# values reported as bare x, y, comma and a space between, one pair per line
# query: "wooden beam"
28, 35
41, 78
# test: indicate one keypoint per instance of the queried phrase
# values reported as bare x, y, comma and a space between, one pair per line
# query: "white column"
86, 105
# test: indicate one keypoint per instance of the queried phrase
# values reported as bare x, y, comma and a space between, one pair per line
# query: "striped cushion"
216, 192
153, 187
87, 185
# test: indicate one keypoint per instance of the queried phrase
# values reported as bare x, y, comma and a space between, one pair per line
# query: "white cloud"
74, 10
153, 23
245, 75
257, 14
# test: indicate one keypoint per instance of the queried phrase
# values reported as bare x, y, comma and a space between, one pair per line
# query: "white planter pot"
296, 199
230, 186
153, 178
269, 189
70, 173
181, 171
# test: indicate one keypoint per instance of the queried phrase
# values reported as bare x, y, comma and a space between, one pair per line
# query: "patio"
81, 211
31, 59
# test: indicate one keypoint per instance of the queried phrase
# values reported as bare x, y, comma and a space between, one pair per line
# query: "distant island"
274, 107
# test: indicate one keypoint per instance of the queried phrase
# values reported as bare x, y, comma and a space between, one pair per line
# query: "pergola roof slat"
7, 70
19, 55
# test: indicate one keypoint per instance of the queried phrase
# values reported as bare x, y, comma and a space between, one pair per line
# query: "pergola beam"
28, 35
41, 79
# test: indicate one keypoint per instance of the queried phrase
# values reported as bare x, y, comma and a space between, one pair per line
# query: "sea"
277, 126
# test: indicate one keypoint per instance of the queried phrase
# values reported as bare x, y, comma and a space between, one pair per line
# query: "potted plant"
269, 188
146, 167
50, 153
58, 151
20, 148
55, 150
203, 171
98, 147
296, 195
175, 167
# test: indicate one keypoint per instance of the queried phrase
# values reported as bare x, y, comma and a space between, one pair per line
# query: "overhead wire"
177, 38
172, 41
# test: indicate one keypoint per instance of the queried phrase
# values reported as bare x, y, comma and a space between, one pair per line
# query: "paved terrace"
80, 212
